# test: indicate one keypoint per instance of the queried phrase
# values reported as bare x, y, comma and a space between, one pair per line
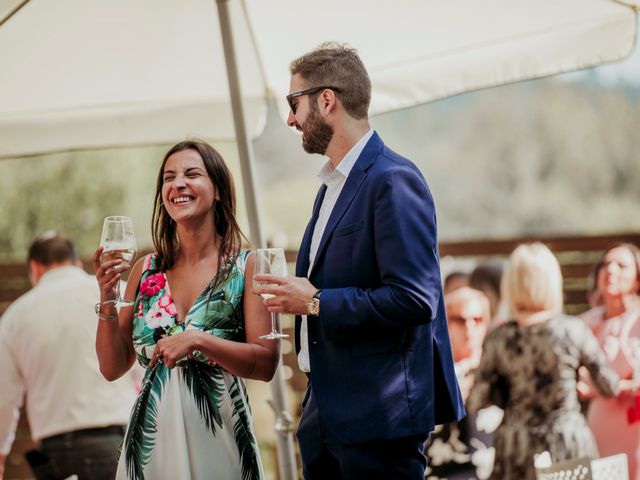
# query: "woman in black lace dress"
529, 367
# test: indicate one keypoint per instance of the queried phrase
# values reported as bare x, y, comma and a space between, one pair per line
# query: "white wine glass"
118, 242
270, 261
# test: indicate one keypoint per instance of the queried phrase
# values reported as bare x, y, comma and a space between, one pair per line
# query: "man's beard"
317, 133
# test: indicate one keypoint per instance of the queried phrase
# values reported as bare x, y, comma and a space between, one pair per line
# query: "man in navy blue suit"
371, 330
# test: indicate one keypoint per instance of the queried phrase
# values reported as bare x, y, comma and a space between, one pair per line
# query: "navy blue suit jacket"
381, 363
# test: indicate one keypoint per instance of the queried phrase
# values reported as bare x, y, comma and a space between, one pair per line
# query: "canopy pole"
245, 150
283, 424
13, 11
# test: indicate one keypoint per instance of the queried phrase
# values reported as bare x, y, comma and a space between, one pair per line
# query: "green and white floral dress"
192, 422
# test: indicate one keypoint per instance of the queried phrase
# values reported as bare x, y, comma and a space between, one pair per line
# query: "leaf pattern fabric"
143, 425
532, 373
192, 422
463, 450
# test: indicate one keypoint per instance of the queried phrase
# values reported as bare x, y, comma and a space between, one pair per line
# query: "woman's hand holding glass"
115, 256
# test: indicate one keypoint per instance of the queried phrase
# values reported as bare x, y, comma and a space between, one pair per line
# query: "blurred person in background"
454, 280
594, 295
468, 317
486, 277
463, 450
47, 339
529, 366
195, 327
616, 324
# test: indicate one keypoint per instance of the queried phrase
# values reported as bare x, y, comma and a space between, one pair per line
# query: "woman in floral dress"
529, 367
195, 327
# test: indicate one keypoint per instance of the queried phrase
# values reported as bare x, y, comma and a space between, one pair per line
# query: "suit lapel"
348, 193
302, 262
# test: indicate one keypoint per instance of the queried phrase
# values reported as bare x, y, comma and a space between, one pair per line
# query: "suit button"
315, 343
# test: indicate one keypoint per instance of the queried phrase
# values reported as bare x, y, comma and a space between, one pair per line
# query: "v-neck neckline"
183, 322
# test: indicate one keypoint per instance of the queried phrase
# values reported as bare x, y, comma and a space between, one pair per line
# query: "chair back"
614, 467
576, 469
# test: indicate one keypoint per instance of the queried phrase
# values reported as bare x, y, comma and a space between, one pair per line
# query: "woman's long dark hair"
163, 227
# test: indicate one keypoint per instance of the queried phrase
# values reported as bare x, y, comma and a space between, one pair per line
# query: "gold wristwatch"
313, 305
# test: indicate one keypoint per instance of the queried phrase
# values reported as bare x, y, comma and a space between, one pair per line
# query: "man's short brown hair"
336, 65
51, 248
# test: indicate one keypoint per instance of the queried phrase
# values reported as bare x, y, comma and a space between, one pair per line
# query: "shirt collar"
328, 174
58, 273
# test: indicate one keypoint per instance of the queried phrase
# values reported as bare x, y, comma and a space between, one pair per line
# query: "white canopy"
93, 73
90, 73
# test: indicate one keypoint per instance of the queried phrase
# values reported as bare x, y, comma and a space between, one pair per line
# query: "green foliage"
207, 387
242, 432
143, 424
540, 157
72, 192
544, 157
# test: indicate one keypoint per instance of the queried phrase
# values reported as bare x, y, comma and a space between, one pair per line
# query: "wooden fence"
577, 256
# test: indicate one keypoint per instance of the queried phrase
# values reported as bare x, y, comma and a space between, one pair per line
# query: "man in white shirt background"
47, 352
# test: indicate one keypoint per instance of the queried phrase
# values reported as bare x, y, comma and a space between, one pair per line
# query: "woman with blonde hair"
529, 367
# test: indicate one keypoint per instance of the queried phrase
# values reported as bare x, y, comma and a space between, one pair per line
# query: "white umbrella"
89, 73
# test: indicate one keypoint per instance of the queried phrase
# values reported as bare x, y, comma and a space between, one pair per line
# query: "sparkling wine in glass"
118, 242
273, 262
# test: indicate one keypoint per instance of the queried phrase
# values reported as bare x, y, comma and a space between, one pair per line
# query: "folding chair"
576, 469
614, 467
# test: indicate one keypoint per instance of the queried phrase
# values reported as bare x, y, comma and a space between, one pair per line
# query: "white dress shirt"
334, 179
47, 350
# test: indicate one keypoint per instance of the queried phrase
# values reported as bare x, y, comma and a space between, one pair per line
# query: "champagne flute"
118, 242
273, 262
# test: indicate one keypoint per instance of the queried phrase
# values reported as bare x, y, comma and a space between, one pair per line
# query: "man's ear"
35, 271
327, 101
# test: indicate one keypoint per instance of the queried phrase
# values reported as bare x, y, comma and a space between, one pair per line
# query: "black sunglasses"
294, 106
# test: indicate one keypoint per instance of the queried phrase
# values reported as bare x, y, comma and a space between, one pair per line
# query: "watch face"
313, 307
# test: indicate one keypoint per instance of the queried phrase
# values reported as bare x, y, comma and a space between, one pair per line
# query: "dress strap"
241, 261
150, 262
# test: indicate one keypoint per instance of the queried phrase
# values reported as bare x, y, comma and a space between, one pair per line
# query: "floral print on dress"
152, 284
532, 373
198, 401
463, 450
159, 316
